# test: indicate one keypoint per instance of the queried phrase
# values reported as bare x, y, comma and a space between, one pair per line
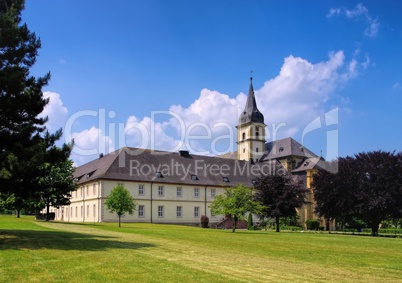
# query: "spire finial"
251, 75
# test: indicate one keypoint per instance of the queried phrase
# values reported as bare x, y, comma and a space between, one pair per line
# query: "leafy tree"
280, 195
56, 181
236, 202
334, 193
120, 201
367, 186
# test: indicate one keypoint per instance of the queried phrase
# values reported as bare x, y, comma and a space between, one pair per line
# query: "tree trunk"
18, 213
234, 223
47, 211
374, 229
119, 221
277, 223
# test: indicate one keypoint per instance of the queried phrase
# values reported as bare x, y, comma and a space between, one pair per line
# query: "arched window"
257, 134
244, 136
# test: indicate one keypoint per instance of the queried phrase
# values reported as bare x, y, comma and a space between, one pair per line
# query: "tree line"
366, 188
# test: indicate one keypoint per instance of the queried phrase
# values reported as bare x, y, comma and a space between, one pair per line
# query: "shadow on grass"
60, 240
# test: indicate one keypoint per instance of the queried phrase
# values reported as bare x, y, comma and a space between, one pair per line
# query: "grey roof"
251, 112
228, 155
286, 147
141, 165
310, 163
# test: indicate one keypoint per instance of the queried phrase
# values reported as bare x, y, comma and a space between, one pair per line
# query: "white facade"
156, 203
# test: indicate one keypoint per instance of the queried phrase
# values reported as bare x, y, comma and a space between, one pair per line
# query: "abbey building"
178, 187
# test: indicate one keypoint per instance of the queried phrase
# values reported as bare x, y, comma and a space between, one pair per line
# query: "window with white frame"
81, 210
94, 189
87, 210
160, 191
160, 211
178, 191
140, 211
179, 211
76, 211
213, 193
140, 189
87, 190
94, 210
196, 192
196, 211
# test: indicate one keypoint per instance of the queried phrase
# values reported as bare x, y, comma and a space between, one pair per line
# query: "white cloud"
366, 62
334, 12
298, 93
359, 12
372, 29
289, 101
293, 98
54, 110
89, 143
147, 133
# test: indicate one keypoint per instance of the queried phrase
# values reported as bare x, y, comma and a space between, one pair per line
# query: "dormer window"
280, 149
194, 177
159, 175
226, 179
89, 174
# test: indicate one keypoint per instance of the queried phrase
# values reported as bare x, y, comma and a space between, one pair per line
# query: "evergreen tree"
23, 136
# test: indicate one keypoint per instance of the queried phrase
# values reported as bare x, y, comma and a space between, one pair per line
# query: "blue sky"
174, 74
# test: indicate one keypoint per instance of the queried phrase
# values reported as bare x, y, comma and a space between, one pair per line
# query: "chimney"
184, 153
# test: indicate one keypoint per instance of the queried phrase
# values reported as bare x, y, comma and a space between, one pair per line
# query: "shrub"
264, 224
312, 225
204, 221
291, 228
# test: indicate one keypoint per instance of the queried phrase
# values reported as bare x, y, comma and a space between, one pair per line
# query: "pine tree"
24, 139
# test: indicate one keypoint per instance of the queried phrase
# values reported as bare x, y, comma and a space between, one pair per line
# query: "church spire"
251, 112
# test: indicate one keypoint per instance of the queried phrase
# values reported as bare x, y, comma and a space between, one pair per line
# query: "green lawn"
33, 251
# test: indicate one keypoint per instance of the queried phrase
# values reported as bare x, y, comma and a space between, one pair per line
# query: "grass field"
33, 251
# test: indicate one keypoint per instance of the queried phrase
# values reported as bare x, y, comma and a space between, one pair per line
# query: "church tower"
250, 130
